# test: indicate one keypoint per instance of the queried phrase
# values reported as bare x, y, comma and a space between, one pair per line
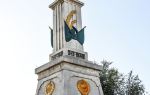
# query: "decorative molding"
61, 1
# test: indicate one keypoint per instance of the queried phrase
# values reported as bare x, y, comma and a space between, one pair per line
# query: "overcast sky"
117, 30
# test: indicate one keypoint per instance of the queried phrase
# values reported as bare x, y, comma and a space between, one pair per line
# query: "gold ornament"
72, 23
70, 15
83, 87
49, 88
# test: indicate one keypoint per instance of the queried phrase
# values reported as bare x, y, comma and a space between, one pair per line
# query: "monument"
68, 71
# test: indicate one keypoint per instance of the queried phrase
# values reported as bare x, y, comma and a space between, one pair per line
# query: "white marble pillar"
54, 29
61, 31
57, 29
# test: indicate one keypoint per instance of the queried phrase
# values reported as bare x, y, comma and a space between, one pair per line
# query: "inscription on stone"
76, 54
57, 55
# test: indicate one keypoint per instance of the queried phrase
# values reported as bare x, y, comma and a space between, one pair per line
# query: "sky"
117, 31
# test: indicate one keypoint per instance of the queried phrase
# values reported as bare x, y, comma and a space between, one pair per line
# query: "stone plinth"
65, 74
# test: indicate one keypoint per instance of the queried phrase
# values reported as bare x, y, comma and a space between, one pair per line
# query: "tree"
111, 80
134, 85
115, 83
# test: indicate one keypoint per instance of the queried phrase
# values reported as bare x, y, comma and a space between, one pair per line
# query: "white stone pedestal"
64, 73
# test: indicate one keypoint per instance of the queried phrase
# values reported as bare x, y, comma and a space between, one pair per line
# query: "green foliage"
133, 85
115, 83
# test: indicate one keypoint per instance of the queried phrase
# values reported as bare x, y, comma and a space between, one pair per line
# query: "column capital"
61, 1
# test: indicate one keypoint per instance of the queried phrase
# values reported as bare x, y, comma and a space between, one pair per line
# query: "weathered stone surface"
70, 60
65, 72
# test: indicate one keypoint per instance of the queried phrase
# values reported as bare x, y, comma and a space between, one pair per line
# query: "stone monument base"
69, 75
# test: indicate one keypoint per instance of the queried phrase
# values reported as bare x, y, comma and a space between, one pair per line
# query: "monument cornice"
61, 1
71, 60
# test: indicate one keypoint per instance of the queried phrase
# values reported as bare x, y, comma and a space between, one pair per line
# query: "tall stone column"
61, 9
68, 71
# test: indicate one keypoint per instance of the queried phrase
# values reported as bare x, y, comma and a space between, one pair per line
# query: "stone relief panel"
50, 87
82, 86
